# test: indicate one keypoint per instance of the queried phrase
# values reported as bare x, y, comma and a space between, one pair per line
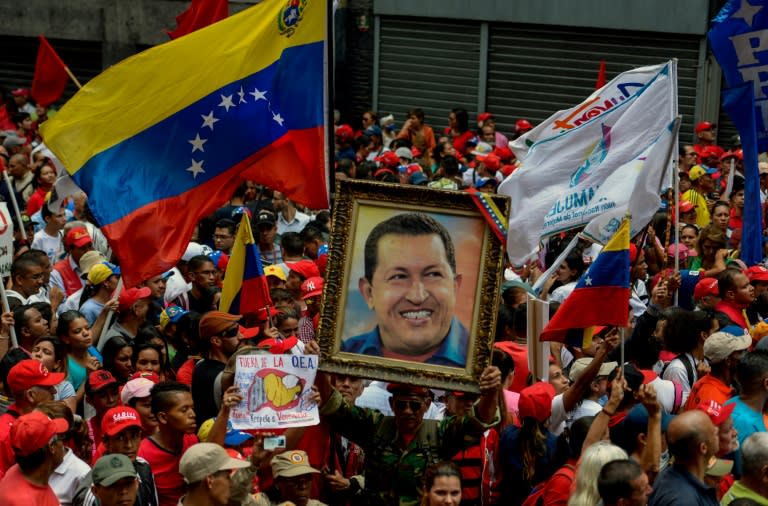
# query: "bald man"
692, 440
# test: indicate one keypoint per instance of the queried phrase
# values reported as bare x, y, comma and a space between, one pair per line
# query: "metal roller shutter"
431, 64
534, 71
17, 67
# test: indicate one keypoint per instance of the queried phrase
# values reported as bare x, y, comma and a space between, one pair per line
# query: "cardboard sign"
276, 390
6, 240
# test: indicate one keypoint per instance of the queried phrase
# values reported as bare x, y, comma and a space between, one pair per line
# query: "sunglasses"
231, 332
414, 406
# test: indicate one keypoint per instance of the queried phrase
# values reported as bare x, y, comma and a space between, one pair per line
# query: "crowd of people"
124, 395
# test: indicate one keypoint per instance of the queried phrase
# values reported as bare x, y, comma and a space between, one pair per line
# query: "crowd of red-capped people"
125, 398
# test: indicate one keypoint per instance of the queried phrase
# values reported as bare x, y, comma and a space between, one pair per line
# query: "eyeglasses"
401, 404
232, 332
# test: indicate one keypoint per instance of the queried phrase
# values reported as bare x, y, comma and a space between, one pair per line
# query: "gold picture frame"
355, 323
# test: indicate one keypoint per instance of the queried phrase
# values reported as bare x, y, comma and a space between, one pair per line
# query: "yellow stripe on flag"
620, 240
146, 88
233, 280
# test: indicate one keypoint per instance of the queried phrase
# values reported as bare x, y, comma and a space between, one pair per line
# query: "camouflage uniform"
394, 469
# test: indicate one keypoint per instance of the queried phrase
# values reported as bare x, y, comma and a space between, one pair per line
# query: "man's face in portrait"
413, 292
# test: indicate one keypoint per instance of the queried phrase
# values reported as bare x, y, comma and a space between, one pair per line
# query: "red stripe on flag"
605, 305
161, 229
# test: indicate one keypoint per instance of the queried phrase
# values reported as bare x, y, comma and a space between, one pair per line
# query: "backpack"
536, 497
688, 368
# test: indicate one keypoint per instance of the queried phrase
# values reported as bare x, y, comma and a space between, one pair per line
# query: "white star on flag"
197, 143
208, 120
258, 94
241, 95
588, 281
747, 12
226, 102
196, 168
279, 119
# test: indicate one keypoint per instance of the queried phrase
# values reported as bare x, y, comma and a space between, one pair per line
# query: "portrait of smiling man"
410, 283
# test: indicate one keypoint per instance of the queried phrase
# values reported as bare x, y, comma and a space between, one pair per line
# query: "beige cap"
88, 260
205, 459
720, 345
290, 464
578, 367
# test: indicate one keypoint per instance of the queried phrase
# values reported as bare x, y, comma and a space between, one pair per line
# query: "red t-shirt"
15, 490
519, 354
7, 458
184, 374
165, 467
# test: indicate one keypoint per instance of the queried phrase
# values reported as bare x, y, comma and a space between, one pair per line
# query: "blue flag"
739, 103
739, 43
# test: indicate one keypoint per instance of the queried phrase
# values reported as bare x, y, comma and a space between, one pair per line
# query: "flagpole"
72, 76
15, 205
6, 309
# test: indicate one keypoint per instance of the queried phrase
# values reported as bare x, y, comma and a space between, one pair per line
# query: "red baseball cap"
706, 286
757, 273
32, 373
99, 380
704, 126
131, 296
536, 401
34, 430
388, 159
686, 207
504, 153
484, 116
249, 332
20, 92
305, 268
491, 161
77, 237
345, 132
118, 418
716, 411
279, 346
523, 125
312, 287
403, 389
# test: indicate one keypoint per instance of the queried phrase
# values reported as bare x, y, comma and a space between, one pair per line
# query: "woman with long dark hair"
442, 485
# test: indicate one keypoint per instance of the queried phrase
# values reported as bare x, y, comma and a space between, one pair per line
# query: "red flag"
200, 13
600, 76
50, 75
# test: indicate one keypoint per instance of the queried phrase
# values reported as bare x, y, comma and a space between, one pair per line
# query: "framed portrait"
412, 285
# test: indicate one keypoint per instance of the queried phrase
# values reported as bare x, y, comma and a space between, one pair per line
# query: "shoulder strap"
688, 368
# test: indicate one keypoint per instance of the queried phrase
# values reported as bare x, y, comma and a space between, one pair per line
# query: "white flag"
634, 188
63, 188
566, 159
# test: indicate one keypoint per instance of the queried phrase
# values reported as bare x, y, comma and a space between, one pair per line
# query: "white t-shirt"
559, 419
676, 372
50, 244
562, 292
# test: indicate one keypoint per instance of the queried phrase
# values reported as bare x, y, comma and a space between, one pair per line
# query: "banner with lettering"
567, 158
6, 240
276, 390
739, 40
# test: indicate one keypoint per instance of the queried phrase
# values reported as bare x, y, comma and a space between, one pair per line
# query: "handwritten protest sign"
6, 240
276, 391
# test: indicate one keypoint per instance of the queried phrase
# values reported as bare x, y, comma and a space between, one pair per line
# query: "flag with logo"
163, 138
740, 46
245, 287
567, 158
635, 187
601, 296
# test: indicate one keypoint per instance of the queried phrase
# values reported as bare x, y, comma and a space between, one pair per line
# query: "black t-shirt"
203, 379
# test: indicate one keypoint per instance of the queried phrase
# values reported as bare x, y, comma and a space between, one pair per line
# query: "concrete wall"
123, 26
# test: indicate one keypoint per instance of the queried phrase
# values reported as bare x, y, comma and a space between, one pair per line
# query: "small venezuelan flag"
601, 296
245, 287
163, 138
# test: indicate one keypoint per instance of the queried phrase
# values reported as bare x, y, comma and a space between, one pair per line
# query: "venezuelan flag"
164, 137
245, 287
601, 296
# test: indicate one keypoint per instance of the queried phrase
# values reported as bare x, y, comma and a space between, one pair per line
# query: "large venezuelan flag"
245, 287
601, 296
163, 138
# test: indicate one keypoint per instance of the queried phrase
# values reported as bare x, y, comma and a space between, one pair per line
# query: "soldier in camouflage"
398, 448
